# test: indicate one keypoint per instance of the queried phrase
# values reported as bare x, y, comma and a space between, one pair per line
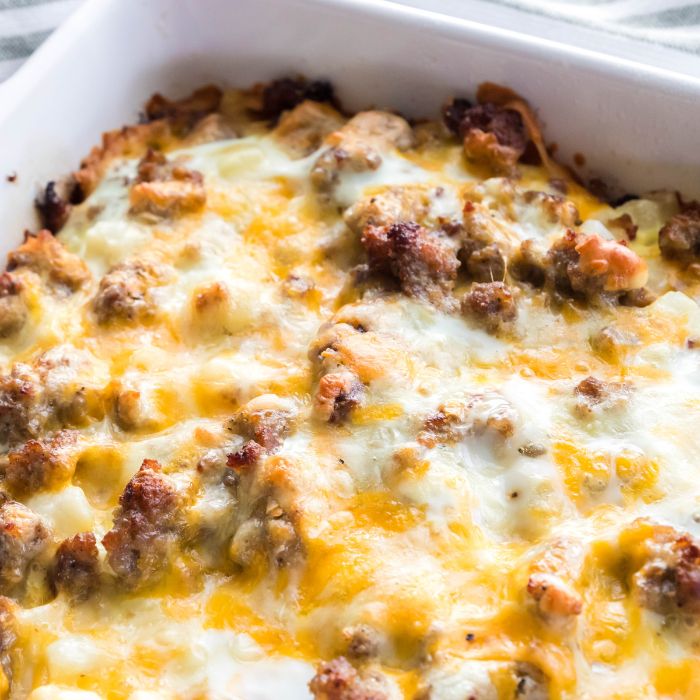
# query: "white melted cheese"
434, 535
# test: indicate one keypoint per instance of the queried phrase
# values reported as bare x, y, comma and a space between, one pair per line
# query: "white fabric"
25, 24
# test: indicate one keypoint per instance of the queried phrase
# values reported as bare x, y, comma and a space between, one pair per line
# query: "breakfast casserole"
300, 403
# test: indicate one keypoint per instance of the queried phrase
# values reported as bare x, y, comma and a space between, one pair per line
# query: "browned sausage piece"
679, 239
124, 292
40, 464
589, 266
670, 579
164, 188
423, 262
491, 304
266, 419
338, 680
145, 526
48, 258
53, 208
493, 135
286, 93
302, 130
338, 393
23, 536
76, 566
186, 112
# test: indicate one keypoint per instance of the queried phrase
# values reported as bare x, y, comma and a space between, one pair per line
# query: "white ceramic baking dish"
636, 125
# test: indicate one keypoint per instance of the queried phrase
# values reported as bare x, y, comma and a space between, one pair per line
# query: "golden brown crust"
266, 420
46, 256
41, 464
166, 189
302, 130
168, 121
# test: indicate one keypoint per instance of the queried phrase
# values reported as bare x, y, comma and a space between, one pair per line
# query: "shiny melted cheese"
424, 544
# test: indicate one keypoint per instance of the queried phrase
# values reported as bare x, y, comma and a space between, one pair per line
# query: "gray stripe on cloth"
686, 16
13, 4
21, 46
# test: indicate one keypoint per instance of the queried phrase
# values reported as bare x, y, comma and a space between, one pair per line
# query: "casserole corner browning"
302, 403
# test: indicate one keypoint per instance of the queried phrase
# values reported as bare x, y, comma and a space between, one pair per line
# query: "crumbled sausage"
75, 568
669, 580
266, 419
529, 264
302, 130
23, 536
164, 121
626, 224
362, 641
145, 525
592, 392
358, 145
41, 464
486, 264
553, 595
679, 239
247, 542
339, 388
453, 112
338, 680
493, 135
589, 266
282, 539
396, 204
558, 209
491, 304
246, 456
53, 209
338, 393
270, 530
52, 393
13, 308
481, 256
186, 112
124, 292
22, 414
286, 93
476, 414
165, 188
423, 262
133, 409
47, 257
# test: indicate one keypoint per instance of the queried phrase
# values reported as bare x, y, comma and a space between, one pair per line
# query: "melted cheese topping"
428, 545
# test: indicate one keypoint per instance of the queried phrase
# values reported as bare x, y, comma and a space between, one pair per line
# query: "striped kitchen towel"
24, 24
673, 23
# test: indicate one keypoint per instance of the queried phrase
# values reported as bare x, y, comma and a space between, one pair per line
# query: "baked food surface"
298, 403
